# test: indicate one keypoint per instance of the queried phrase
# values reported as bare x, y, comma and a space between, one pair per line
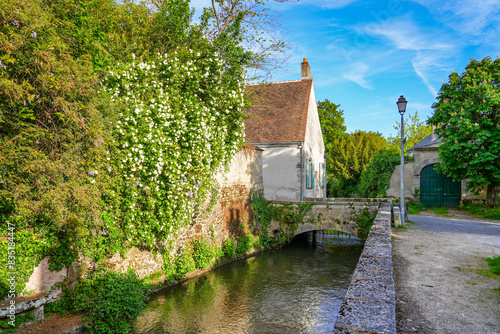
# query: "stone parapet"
370, 303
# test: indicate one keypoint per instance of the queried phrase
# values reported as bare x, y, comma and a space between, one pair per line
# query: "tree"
467, 113
415, 131
349, 156
331, 118
375, 179
261, 29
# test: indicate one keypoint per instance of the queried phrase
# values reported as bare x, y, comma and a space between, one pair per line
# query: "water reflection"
298, 289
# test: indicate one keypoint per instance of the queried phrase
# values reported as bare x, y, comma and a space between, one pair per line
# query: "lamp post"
402, 108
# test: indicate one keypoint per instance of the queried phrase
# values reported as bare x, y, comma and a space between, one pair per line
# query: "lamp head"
401, 105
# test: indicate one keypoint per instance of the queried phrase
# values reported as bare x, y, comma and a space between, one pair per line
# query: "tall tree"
467, 113
349, 156
332, 121
415, 130
261, 28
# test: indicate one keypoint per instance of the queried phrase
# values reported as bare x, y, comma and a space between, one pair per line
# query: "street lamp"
402, 108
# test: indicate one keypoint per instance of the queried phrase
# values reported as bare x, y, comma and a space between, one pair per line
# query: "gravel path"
438, 287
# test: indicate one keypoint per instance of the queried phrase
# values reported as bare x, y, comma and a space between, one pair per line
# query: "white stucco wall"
281, 171
314, 148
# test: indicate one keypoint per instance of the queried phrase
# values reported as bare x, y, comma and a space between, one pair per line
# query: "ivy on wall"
97, 157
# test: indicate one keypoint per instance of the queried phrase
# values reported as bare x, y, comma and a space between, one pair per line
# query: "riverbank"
439, 285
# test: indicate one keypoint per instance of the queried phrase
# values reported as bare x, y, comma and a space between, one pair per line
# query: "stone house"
424, 184
284, 122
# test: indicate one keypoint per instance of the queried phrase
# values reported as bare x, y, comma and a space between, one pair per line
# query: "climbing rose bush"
183, 122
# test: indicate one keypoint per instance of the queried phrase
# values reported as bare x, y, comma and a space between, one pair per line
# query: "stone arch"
417, 169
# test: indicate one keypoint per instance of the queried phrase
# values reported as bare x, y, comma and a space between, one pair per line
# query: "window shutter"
312, 174
307, 173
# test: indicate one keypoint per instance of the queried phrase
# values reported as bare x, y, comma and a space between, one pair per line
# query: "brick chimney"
306, 69
433, 135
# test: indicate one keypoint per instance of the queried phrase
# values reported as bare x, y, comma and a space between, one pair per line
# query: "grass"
494, 264
440, 211
415, 208
479, 210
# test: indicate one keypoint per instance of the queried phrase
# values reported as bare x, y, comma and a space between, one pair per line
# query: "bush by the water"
111, 300
203, 253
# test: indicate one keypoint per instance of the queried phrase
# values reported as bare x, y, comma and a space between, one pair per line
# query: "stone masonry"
369, 305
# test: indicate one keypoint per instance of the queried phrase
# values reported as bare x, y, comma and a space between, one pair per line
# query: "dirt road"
439, 285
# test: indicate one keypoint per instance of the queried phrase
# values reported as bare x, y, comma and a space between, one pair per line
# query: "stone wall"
232, 207
326, 215
370, 302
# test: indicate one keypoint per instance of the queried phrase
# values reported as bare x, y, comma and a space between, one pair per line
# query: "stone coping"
370, 302
23, 304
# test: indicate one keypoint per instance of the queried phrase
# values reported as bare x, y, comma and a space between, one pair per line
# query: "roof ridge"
278, 82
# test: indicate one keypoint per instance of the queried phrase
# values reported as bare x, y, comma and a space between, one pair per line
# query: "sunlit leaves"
467, 113
184, 121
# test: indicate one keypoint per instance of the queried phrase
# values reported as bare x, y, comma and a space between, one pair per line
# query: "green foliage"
184, 263
365, 222
282, 239
168, 267
332, 121
466, 112
71, 180
494, 264
414, 130
375, 179
111, 300
228, 248
169, 151
415, 208
479, 210
6, 325
348, 157
243, 244
203, 253
287, 215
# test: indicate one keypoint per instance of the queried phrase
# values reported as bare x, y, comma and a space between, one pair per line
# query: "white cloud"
424, 65
470, 17
405, 35
357, 74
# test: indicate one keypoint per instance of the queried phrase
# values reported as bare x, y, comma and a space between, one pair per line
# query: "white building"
284, 123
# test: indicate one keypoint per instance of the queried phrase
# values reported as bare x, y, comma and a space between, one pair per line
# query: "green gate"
437, 189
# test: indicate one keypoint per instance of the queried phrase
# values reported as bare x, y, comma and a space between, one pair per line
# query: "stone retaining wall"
370, 305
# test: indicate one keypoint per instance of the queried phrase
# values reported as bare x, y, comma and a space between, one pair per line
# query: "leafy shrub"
6, 324
375, 179
243, 244
342, 187
168, 267
228, 247
184, 263
111, 300
203, 253
415, 208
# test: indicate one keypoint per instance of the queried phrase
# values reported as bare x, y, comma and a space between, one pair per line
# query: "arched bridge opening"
345, 217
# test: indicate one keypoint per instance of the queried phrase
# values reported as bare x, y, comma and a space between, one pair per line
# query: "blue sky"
365, 54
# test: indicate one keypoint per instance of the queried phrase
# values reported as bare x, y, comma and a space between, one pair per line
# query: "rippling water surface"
297, 289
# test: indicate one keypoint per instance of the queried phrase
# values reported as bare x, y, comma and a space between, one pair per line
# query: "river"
296, 289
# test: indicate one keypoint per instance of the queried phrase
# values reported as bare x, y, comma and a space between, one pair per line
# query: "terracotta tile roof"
278, 112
